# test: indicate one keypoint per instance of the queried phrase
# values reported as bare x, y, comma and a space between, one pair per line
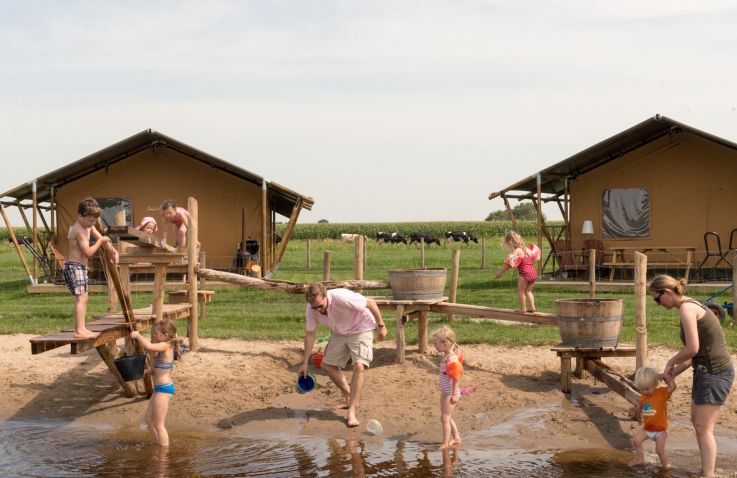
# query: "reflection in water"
84, 451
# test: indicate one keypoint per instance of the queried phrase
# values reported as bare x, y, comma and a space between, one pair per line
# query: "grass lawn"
260, 315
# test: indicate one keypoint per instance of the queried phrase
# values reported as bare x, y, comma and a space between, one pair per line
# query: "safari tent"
660, 184
131, 178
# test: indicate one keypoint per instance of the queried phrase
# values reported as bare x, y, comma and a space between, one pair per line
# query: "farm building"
131, 178
657, 187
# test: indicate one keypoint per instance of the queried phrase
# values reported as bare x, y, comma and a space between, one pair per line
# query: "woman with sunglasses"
705, 350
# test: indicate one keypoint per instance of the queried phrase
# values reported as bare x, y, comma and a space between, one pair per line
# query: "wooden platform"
109, 326
589, 359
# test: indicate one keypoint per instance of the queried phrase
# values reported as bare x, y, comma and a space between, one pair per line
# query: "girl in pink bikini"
523, 259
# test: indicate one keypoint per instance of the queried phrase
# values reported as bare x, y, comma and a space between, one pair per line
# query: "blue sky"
380, 110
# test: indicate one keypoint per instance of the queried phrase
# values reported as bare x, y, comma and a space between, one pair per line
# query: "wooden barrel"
417, 284
590, 323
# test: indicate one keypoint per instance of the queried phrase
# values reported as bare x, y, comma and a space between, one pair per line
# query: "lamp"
588, 227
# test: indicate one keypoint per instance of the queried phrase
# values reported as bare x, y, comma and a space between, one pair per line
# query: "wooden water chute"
113, 326
589, 358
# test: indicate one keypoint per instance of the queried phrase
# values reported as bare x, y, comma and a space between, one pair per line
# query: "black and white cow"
458, 236
390, 237
429, 238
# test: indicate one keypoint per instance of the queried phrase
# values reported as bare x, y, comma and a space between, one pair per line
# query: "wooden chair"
598, 246
570, 261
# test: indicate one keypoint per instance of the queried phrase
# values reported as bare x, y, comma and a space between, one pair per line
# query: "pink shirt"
347, 313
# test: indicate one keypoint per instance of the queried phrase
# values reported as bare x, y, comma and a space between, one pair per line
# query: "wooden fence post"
192, 239
326, 266
454, 280
422, 253
358, 257
309, 253
592, 273
640, 309
483, 252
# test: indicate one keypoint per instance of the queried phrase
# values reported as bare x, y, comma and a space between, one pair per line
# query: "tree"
322, 221
524, 211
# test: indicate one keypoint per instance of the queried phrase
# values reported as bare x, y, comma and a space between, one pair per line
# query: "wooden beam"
511, 214
454, 280
614, 382
192, 241
34, 233
640, 309
494, 313
288, 231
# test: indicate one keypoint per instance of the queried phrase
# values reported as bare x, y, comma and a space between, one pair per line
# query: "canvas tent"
658, 183
136, 174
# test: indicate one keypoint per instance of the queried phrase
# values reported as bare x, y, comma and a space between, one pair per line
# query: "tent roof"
282, 199
553, 177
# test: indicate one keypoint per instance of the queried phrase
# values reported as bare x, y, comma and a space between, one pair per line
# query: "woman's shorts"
711, 388
167, 388
357, 347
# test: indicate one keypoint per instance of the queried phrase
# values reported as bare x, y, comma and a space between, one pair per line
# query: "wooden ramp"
110, 327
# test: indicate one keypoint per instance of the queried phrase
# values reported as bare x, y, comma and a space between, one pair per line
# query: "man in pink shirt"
352, 319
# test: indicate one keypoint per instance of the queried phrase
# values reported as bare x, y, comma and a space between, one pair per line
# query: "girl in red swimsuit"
521, 259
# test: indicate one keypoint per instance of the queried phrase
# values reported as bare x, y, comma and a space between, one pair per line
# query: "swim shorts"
75, 277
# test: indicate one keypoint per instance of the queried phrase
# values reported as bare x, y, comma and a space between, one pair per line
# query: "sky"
382, 111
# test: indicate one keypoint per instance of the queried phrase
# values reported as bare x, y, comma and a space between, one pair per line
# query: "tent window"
111, 207
625, 213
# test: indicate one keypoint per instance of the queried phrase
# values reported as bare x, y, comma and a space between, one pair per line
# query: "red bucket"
317, 360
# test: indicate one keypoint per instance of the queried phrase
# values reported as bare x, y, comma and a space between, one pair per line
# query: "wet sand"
248, 388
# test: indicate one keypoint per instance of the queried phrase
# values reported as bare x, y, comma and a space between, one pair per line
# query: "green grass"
261, 315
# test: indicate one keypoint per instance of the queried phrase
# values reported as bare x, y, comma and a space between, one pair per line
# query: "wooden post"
565, 372
244, 234
483, 252
364, 239
157, 303
592, 273
192, 237
358, 257
203, 264
11, 232
34, 209
422, 331
326, 266
309, 254
52, 211
264, 231
539, 224
454, 280
400, 334
640, 309
689, 260
422, 253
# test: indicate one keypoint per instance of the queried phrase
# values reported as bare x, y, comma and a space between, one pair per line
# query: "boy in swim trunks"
654, 412
75, 267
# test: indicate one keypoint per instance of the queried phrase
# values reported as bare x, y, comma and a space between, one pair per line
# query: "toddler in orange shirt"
654, 412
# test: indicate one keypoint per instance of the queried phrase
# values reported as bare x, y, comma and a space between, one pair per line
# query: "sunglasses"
657, 297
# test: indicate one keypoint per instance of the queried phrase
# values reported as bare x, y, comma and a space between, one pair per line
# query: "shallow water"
62, 449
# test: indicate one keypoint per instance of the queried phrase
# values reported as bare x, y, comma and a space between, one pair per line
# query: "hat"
145, 221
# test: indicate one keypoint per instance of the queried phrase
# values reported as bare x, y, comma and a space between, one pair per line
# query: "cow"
390, 237
458, 236
350, 238
425, 236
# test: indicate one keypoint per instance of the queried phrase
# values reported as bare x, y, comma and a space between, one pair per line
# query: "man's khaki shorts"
357, 347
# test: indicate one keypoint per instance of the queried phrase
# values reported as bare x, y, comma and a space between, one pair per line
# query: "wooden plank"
134, 236
614, 382
538, 318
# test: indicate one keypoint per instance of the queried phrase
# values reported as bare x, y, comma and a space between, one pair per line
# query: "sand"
232, 386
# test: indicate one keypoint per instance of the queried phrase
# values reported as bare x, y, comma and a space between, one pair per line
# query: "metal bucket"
589, 323
131, 367
417, 284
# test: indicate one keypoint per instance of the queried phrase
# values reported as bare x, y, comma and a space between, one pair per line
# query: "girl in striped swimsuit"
521, 259
451, 371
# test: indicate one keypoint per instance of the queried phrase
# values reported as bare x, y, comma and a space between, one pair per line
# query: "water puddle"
63, 449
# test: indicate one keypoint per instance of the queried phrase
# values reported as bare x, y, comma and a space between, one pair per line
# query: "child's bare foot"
455, 441
84, 334
531, 311
521, 311
352, 421
635, 462
444, 446
341, 406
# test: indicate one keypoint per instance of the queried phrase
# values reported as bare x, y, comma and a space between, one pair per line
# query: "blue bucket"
306, 383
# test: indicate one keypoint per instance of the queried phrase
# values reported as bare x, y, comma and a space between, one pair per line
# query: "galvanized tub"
590, 323
417, 284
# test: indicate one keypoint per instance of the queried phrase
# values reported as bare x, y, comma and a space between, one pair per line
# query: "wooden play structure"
139, 248
590, 358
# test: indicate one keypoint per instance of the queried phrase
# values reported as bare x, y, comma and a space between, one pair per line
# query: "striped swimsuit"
446, 383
